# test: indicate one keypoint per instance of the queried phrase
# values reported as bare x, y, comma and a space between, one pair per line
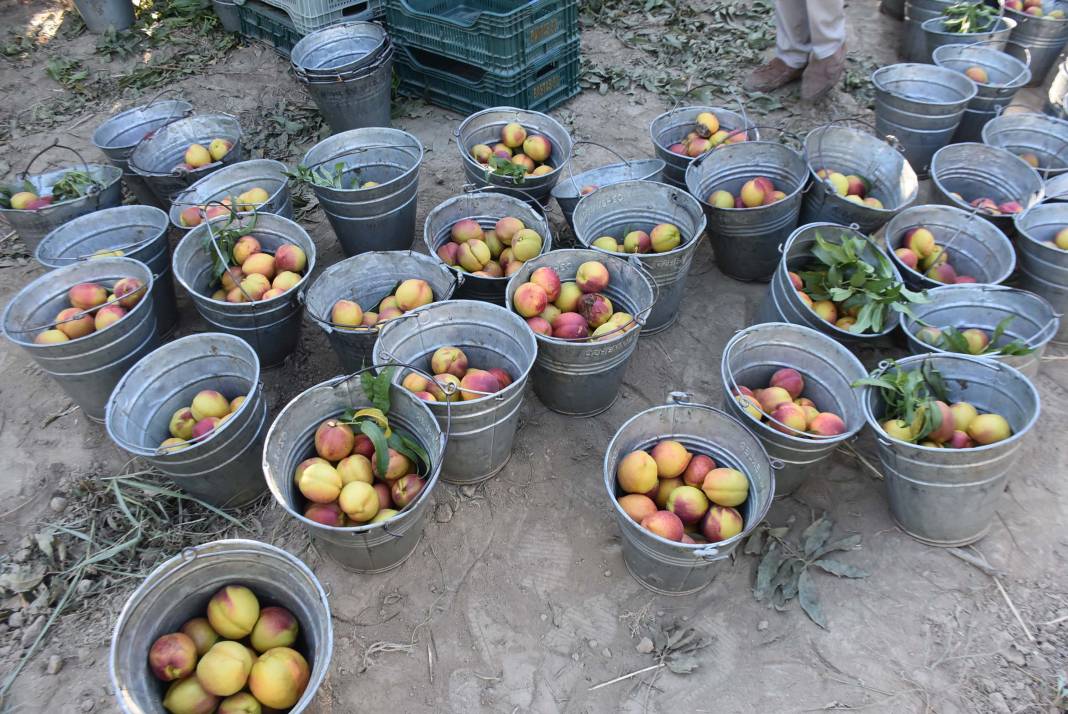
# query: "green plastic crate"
502, 35
277, 28
466, 89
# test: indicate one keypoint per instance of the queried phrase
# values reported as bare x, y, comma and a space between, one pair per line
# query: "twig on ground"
635, 673
850, 451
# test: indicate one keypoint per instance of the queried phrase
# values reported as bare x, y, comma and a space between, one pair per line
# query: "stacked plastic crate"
474, 54
281, 23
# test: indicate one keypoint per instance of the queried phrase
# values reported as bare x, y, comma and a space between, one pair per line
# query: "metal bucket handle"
56, 145
174, 171
1037, 339
890, 140
172, 117
571, 155
783, 132
470, 188
357, 149
330, 326
498, 395
80, 315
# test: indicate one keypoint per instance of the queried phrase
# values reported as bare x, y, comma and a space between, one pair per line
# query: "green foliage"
376, 387
68, 72
226, 236
504, 167
74, 184
953, 340
321, 176
907, 393
969, 17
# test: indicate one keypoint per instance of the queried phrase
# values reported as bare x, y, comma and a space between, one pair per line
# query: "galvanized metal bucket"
137, 232
1034, 323
179, 590
485, 207
271, 327
829, 370
231, 181
1005, 76
1024, 133
746, 240
921, 106
369, 219
672, 126
33, 225
86, 368
1057, 188
338, 49
980, 171
935, 35
483, 429
1043, 37
156, 159
103, 15
1044, 267
120, 133
579, 377
851, 151
781, 303
639, 205
484, 127
913, 39
948, 497
354, 99
366, 279
669, 567
976, 246
222, 469
372, 547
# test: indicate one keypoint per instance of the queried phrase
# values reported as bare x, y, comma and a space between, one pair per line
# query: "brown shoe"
771, 75
822, 75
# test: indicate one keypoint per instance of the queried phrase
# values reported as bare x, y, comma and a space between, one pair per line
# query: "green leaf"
815, 536
367, 383
378, 438
410, 448
806, 594
381, 389
837, 567
766, 572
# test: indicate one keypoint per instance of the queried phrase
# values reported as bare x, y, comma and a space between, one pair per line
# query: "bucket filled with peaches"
688, 483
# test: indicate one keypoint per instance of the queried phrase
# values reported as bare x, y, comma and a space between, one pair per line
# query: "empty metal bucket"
976, 246
103, 15
271, 326
482, 430
231, 181
222, 469
156, 159
921, 106
671, 127
935, 35
829, 370
120, 133
568, 191
979, 171
138, 232
984, 306
746, 241
484, 127
179, 590
1005, 76
913, 40
1042, 37
485, 207
1023, 133
356, 99
639, 205
582, 377
781, 304
669, 567
372, 547
366, 279
367, 219
338, 49
948, 497
1044, 266
86, 368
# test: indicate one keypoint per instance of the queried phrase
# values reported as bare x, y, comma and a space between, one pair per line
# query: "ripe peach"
493, 243
929, 335
240, 703
548, 280
595, 308
750, 405
920, 241
475, 381
190, 217
943, 273
278, 677
481, 153
245, 247
233, 611
671, 458
788, 418
72, 323
224, 669
855, 185
172, 656
530, 299
665, 237
466, 230
276, 628
259, 263
513, 135
291, 258
328, 514
678, 148
963, 414
406, 489
898, 429
721, 199
664, 524
637, 506
449, 360
415, 382
384, 515
978, 340
272, 294
790, 380
538, 148
803, 297
662, 492
960, 440
637, 242
752, 194
231, 277
907, 257
333, 440
637, 472
359, 501
540, 326
209, 403
989, 428
591, 277
87, 295
570, 326
187, 696
501, 151
473, 255
526, 245
568, 299
697, 469
810, 414
448, 382
689, 503
168, 446
826, 310
827, 424
525, 161
205, 426
355, 467
726, 486
945, 428
506, 228
772, 397
51, 337
414, 293
285, 280
201, 632
397, 467
697, 146
320, 483
370, 319
606, 243
181, 424
838, 182
346, 313
385, 497
447, 253
721, 523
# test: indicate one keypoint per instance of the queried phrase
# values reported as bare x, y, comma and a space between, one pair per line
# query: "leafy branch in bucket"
844, 276
910, 395
504, 167
74, 184
374, 422
785, 570
225, 237
952, 339
320, 176
969, 17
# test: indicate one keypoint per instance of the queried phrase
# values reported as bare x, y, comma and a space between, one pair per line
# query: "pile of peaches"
454, 378
257, 275
494, 253
575, 310
410, 294
195, 422
784, 408
707, 134
92, 308
519, 148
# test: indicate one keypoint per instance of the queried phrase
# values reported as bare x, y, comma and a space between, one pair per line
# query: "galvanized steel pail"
569, 190
230, 182
1044, 266
935, 35
672, 126
1005, 76
1023, 133
1042, 37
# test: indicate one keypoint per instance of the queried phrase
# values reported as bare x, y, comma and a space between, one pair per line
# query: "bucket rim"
1023, 71
1020, 222
97, 140
948, 75
1001, 24
356, 134
179, 201
109, 175
694, 166
747, 124
222, 118
997, 125
1024, 17
993, 154
73, 224
505, 181
559, 191
309, 42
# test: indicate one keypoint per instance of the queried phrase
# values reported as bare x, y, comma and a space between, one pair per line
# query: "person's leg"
827, 29
791, 49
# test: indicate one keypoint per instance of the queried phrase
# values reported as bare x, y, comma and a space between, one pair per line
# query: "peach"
526, 245
637, 242
945, 427
772, 397
224, 669
989, 428
960, 440
977, 74
750, 406
473, 255
513, 135
333, 440
538, 148
726, 486
278, 678
637, 506
447, 253
285, 280
898, 429
201, 632
838, 182
637, 472
697, 146
587, 190
827, 424
803, 297
826, 310
355, 467
481, 153
290, 258
466, 230
320, 483
591, 277
697, 469
752, 194
449, 360
51, 337
209, 403
540, 326
87, 295
513, 267
530, 299
449, 386
678, 148
272, 294
245, 247
855, 186
525, 161
190, 217
233, 611
74, 324
415, 382
907, 257
548, 280
790, 380
943, 273
501, 151
413, 293
662, 491
252, 199
181, 424
218, 148
327, 514
240, 703
346, 314
921, 242
606, 243
493, 243
506, 229
721, 199
810, 415
570, 326
721, 523
978, 340
231, 277
689, 503
963, 414
491, 269
929, 335
789, 419
595, 308
664, 524
305, 464
171, 445
276, 628
671, 458
406, 489
260, 264
568, 299
873, 202
187, 696
476, 381
961, 279
359, 501
389, 313
398, 466
172, 656
385, 495
665, 237
384, 515
205, 426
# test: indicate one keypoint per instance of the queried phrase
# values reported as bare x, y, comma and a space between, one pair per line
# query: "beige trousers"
808, 28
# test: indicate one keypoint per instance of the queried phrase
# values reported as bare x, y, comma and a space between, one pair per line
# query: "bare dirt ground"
518, 588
